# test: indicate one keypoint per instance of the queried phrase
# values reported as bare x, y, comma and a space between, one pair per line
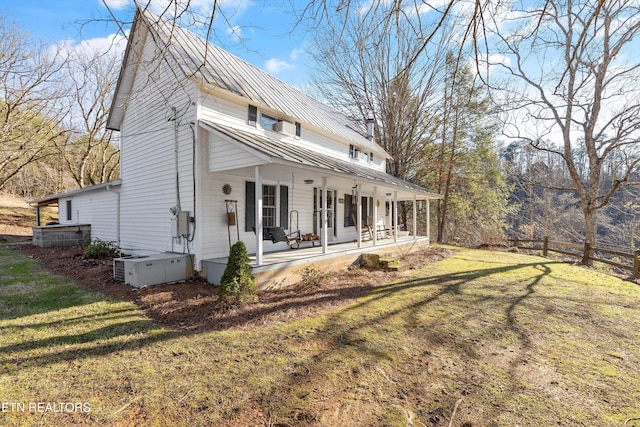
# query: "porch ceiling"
278, 152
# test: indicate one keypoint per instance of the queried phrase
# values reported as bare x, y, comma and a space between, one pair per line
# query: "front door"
331, 212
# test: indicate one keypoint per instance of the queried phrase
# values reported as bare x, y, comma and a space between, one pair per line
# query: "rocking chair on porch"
366, 232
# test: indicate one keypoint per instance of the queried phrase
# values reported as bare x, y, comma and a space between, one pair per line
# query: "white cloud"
114, 44
295, 53
117, 4
235, 32
275, 66
428, 6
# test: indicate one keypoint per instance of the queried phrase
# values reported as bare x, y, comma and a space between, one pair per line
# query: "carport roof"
53, 198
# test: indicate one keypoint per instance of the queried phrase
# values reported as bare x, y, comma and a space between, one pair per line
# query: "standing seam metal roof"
214, 66
298, 155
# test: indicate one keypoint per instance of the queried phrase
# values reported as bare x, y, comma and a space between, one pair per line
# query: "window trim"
281, 206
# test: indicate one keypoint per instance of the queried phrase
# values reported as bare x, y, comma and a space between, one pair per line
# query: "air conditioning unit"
141, 271
285, 128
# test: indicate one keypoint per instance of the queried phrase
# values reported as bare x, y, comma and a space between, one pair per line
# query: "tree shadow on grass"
345, 330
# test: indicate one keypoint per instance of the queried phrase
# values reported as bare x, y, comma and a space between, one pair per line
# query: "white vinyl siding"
98, 208
233, 112
148, 158
225, 156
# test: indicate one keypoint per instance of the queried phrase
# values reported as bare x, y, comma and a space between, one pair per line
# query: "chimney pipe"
370, 128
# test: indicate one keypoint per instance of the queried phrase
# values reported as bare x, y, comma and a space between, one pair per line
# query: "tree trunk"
591, 226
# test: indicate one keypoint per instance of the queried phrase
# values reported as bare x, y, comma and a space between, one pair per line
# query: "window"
298, 129
69, 212
352, 151
269, 204
253, 115
267, 122
370, 157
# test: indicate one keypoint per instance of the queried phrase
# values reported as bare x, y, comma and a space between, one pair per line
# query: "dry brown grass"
478, 339
17, 217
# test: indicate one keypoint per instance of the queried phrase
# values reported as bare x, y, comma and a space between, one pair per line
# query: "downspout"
175, 151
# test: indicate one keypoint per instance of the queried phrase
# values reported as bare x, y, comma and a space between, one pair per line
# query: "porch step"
373, 260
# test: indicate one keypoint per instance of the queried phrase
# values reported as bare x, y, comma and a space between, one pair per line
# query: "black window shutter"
250, 211
284, 207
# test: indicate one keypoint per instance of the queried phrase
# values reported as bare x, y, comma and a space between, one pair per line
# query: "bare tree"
367, 68
579, 72
90, 155
30, 118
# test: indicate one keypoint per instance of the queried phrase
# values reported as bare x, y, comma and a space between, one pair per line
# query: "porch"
282, 268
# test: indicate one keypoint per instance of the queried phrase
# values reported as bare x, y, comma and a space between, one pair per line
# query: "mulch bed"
193, 304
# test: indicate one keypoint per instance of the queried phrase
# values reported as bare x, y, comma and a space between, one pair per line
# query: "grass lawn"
479, 339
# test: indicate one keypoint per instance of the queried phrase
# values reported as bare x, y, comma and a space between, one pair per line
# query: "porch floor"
279, 268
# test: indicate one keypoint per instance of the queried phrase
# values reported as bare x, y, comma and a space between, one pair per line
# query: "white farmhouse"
215, 150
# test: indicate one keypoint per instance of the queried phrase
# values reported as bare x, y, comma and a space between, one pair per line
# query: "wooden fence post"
545, 246
586, 257
515, 242
636, 265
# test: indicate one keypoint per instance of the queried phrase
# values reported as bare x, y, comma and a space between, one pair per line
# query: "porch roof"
275, 151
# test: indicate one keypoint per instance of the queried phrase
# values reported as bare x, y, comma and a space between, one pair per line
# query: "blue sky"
263, 29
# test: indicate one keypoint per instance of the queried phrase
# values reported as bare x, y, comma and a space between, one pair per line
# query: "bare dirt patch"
194, 305
17, 218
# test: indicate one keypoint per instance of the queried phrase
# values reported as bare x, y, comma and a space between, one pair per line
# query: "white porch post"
415, 219
427, 202
258, 203
395, 217
359, 216
375, 216
325, 233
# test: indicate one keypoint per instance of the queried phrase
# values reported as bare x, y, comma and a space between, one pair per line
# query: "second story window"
253, 115
352, 151
267, 122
